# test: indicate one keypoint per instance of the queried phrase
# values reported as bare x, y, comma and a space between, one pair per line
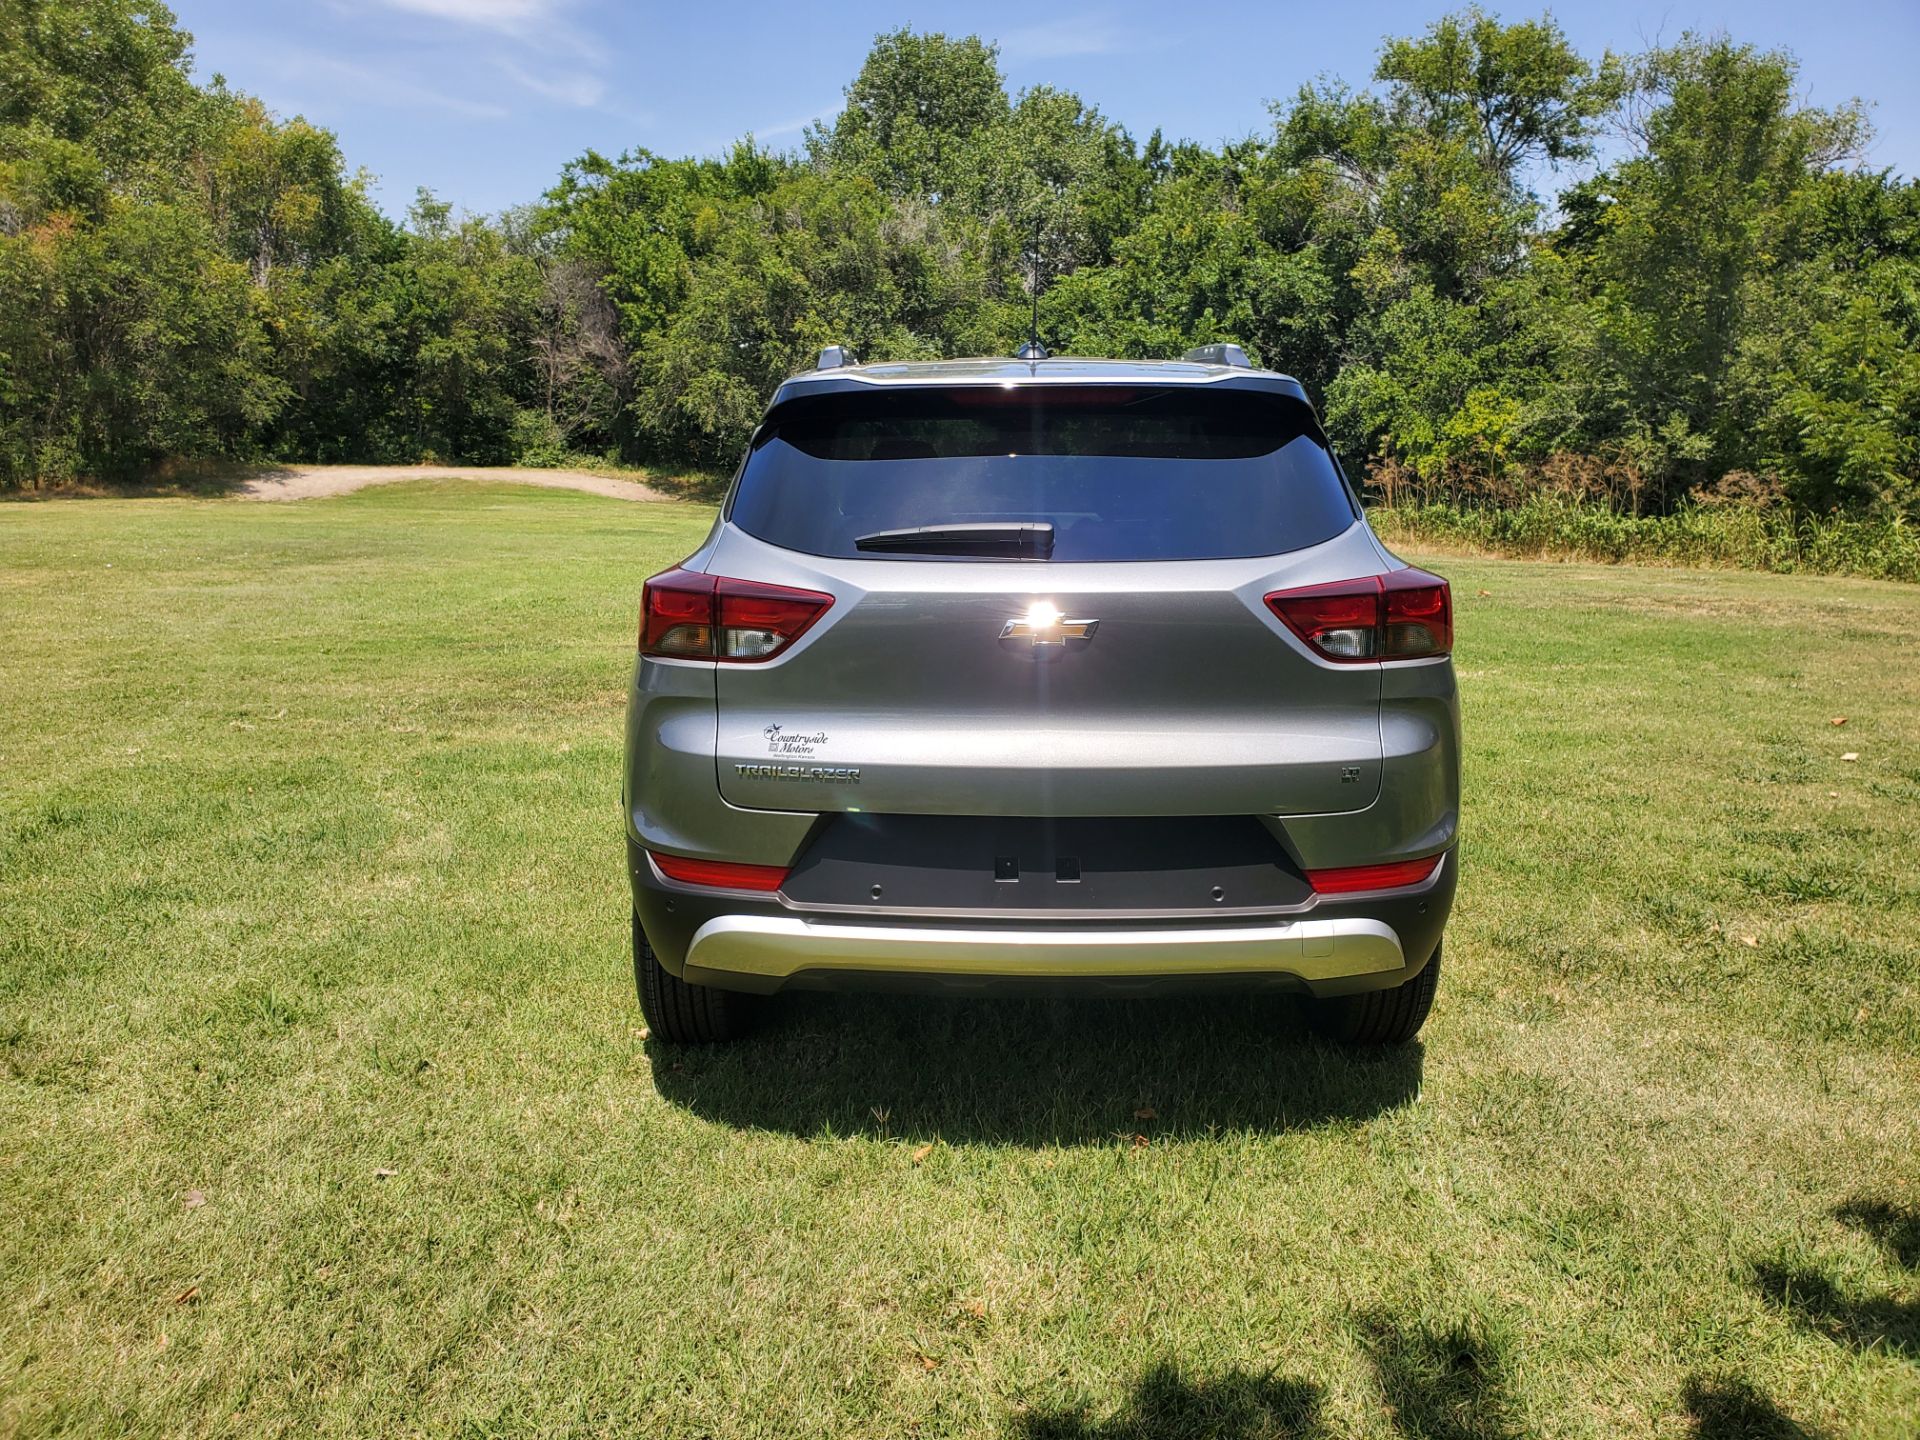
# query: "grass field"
325, 1106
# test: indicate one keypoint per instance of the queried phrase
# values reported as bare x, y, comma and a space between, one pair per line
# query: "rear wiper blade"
1022, 539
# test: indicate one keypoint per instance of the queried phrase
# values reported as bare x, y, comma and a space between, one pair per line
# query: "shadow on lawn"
1894, 1228
1730, 1408
1166, 1406
1864, 1321
1446, 1383
1034, 1072
1453, 1383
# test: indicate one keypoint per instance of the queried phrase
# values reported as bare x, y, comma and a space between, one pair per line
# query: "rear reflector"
1392, 876
1404, 615
689, 616
724, 874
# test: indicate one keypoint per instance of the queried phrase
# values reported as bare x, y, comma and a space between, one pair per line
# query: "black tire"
1380, 1017
683, 1014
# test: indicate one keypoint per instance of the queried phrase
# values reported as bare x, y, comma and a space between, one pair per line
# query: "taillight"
1418, 616
676, 614
712, 617
1405, 615
1393, 875
724, 874
1340, 620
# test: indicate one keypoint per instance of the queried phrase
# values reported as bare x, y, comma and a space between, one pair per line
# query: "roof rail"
835, 357
1219, 355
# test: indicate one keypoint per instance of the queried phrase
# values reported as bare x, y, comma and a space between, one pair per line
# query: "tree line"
1718, 303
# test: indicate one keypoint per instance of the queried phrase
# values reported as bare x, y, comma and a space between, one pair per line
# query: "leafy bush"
1720, 536
536, 441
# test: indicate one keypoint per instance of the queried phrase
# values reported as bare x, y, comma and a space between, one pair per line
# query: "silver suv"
1084, 674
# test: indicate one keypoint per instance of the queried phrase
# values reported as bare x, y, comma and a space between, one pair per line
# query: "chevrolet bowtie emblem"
1044, 625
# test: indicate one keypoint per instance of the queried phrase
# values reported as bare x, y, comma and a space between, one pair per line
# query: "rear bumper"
762, 943
771, 951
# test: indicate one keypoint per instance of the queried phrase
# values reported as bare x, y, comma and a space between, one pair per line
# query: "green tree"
1830, 382
913, 113
822, 260
1419, 202
1675, 247
1514, 93
100, 87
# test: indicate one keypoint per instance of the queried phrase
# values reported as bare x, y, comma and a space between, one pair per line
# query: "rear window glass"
1120, 473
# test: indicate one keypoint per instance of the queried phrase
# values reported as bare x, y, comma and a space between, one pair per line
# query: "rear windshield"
1146, 473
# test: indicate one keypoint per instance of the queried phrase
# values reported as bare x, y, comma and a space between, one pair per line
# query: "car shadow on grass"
1166, 1405
1034, 1072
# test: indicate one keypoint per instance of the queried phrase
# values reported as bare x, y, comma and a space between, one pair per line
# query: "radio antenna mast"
1033, 349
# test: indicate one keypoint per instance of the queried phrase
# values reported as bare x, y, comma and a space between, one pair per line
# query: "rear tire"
1379, 1017
683, 1014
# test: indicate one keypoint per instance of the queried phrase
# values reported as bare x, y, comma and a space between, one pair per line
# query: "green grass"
312, 912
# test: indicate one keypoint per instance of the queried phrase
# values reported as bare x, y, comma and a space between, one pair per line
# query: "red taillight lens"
1340, 620
724, 874
676, 614
1407, 615
713, 617
758, 621
1391, 876
1419, 615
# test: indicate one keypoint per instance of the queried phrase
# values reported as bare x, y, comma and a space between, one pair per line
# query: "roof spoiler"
1219, 355
835, 357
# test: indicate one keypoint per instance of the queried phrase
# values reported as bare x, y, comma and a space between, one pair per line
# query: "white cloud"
795, 125
367, 85
572, 88
1062, 39
762, 134
531, 43
493, 14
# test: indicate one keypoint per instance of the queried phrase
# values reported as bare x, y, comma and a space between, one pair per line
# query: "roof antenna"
1031, 349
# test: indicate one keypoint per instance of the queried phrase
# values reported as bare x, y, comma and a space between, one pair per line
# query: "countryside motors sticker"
798, 747
779, 742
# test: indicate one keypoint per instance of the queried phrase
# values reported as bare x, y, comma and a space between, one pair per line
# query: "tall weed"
1727, 537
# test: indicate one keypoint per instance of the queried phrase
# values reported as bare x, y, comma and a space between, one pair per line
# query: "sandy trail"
310, 482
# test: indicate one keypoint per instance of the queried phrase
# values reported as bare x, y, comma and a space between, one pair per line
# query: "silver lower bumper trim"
774, 948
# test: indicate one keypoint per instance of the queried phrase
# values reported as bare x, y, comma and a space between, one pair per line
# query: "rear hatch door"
1135, 671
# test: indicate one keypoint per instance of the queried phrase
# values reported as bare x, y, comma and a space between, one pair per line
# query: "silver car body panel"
1192, 698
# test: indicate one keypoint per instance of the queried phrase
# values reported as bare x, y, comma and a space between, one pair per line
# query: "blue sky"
485, 100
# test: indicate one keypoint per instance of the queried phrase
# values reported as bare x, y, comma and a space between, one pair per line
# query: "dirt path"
309, 482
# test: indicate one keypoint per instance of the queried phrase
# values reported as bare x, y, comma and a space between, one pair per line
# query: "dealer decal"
784, 742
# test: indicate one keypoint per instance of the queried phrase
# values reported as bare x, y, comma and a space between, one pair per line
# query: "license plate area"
937, 864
